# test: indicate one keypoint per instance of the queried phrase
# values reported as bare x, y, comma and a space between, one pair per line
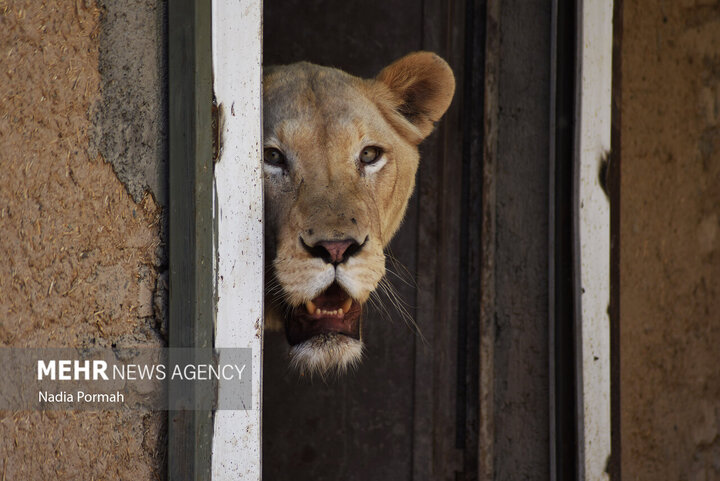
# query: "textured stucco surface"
670, 241
129, 127
79, 259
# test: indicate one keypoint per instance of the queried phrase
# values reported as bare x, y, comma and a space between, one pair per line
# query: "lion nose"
334, 252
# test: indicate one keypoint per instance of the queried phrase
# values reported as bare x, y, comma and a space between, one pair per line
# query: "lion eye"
274, 157
370, 155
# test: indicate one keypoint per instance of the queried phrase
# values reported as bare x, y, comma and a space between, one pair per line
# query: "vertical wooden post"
612, 184
592, 235
486, 369
237, 63
190, 219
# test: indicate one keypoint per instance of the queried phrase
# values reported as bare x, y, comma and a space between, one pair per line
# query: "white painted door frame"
592, 236
237, 73
237, 69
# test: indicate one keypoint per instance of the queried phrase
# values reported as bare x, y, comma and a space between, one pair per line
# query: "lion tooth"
310, 306
341, 312
346, 306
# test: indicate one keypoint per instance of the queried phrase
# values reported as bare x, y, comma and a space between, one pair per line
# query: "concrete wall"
81, 259
670, 242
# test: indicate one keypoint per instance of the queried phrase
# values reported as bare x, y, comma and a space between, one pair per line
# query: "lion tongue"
332, 312
334, 301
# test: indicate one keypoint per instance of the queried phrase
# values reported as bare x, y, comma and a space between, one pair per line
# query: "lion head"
340, 158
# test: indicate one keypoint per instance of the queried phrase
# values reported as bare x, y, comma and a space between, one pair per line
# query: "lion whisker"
403, 272
401, 306
401, 278
380, 306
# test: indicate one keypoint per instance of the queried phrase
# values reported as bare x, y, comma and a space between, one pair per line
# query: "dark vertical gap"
416, 347
462, 354
468, 356
613, 190
563, 308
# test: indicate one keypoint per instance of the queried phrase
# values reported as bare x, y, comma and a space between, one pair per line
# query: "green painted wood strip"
190, 219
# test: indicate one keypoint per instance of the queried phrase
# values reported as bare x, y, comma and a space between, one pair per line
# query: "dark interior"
377, 423
473, 399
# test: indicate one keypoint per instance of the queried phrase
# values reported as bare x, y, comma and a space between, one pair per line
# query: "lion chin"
324, 333
339, 163
326, 354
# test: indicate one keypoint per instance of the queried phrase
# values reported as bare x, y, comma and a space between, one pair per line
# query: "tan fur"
321, 118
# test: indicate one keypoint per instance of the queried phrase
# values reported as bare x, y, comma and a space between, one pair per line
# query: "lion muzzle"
332, 312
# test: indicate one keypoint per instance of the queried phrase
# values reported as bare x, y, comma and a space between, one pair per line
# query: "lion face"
340, 158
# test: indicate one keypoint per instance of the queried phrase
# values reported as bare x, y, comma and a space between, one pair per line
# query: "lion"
340, 158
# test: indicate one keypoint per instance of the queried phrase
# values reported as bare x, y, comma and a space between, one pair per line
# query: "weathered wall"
670, 247
79, 259
129, 127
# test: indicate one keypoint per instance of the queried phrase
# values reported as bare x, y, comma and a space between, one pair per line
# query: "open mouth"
332, 312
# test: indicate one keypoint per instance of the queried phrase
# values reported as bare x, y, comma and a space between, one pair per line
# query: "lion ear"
422, 85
